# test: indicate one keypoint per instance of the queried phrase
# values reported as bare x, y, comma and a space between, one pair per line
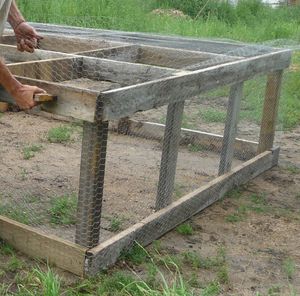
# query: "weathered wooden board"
166, 219
233, 110
170, 148
71, 101
126, 101
12, 55
243, 149
65, 44
270, 111
50, 248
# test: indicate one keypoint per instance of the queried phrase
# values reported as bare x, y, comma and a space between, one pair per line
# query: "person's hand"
27, 37
24, 96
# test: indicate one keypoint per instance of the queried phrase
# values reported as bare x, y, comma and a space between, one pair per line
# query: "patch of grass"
14, 264
212, 289
293, 170
6, 249
289, 268
178, 190
63, 210
235, 217
235, 193
195, 147
29, 151
19, 214
212, 115
185, 229
222, 274
115, 224
136, 255
49, 282
274, 291
61, 134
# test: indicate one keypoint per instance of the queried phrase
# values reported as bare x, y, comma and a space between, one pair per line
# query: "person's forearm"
7, 80
15, 17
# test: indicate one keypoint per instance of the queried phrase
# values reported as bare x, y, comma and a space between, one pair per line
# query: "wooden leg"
169, 155
233, 110
269, 117
92, 170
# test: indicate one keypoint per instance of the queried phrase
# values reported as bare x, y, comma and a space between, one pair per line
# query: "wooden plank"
92, 171
243, 149
169, 155
128, 53
166, 219
270, 111
122, 72
71, 101
52, 70
50, 248
126, 101
12, 55
233, 110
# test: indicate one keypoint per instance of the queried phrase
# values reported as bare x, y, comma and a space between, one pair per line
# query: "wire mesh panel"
157, 126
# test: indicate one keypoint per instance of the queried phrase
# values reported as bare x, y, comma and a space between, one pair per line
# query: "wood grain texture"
233, 110
270, 111
126, 101
166, 219
49, 248
169, 155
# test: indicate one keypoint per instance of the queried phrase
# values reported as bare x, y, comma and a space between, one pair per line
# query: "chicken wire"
106, 177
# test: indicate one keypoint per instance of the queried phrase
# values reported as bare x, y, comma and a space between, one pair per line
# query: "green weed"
289, 268
6, 249
212, 115
14, 264
63, 210
185, 229
136, 255
29, 151
293, 170
213, 289
49, 282
195, 147
61, 134
19, 214
115, 224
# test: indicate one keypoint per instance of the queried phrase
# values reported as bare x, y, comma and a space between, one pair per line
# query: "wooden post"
92, 170
269, 116
169, 155
233, 110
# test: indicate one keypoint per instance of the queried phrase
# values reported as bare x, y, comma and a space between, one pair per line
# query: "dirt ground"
258, 240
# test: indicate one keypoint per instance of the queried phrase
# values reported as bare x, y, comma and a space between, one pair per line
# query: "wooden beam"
71, 101
270, 111
92, 171
233, 110
243, 149
166, 219
180, 87
169, 155
122, 72
50, 248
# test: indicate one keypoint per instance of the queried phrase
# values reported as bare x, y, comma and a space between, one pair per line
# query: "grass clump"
136, 255
49, 282
61, 134
289, 268
185, 229
212, 289
63, 210
212, 115
115, 224
20, 214
30, 151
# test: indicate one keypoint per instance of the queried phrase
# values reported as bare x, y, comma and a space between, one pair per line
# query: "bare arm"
27, 37
23, 94
15, 17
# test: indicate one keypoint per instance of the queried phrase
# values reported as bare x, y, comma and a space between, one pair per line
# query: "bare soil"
256, 246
